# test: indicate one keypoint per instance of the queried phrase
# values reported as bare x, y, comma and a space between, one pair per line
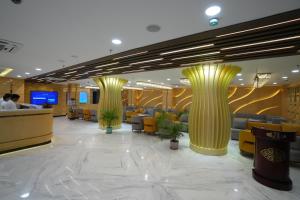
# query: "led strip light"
259, 43
198, 55
259, 51
187, 49
257, 28
138, 70
147, 61
105, 65
130, 55
80, 67
203, 62
71, 72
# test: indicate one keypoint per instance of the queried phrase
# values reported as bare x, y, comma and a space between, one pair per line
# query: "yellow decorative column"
110, 97
209, 117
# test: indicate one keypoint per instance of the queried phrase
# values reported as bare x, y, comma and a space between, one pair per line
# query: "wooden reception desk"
25, 128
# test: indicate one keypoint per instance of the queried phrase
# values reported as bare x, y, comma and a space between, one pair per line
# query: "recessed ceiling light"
27, 73
285, 77
239, 74
274, 83
168, 79
19, 76
38, 69
129, 82
212, 11
242, 84
116, 41
295, 71
240, 79
162, 83
149, 80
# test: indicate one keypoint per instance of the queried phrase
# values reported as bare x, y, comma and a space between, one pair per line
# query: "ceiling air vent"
9, 47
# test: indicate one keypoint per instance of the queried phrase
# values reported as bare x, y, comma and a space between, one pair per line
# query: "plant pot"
174, 144
109, 130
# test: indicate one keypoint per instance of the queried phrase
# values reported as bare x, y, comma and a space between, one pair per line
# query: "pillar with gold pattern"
110, 97
209, 116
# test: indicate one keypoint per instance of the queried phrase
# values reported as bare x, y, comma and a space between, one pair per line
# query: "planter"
109, 130
174, 144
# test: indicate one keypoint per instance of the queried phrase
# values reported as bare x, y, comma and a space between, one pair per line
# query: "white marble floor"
84, 163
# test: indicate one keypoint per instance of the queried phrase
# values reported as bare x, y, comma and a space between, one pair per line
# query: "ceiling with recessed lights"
278, 67
273, 36
59, 33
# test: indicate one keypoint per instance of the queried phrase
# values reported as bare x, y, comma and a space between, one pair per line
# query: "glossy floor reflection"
84, 163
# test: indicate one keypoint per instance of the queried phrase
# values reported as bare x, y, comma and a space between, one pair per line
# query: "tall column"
110, 97
209, 117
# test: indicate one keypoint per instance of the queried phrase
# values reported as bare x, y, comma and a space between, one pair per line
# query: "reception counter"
25, 128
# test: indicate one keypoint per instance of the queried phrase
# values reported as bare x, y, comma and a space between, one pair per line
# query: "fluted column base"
208, 151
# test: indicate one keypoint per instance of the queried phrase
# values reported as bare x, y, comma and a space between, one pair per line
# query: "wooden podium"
271, 160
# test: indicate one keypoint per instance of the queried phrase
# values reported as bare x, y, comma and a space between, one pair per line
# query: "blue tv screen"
43, 97
83, 97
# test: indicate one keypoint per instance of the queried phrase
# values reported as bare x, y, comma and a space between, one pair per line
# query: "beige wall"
61, 108
16, 85
262, 99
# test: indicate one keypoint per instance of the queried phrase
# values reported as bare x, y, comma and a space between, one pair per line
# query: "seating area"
247, 140
85, 114
145, 119
150, 100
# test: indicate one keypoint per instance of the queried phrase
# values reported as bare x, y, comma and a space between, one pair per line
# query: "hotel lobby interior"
160, 99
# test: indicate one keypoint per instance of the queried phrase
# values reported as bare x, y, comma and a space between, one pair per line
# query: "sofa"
184, 120
240, 122
247, 139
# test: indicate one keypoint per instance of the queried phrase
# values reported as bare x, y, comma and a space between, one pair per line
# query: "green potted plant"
109, 116
172, 131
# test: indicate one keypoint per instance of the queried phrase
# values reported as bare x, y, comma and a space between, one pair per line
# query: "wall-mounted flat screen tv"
83, 97
43, 97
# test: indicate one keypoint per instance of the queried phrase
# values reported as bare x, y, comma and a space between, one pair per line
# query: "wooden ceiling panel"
277, 28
